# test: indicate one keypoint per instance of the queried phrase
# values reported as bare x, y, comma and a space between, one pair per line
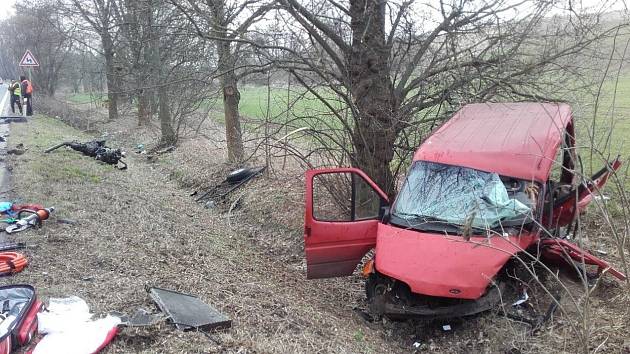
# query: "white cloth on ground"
69, 328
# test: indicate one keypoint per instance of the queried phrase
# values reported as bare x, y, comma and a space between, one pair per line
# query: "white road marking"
3, 103
4, 130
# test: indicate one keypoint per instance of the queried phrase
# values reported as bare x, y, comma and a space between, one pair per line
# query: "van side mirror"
384, 214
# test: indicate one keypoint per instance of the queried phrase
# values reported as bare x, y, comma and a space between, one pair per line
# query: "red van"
495, 182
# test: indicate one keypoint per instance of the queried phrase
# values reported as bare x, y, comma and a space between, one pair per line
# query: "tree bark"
144, 108
168, 135
231, 99
110, 74
376, 124
147, 68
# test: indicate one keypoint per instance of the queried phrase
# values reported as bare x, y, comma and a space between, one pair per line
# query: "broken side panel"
563, 251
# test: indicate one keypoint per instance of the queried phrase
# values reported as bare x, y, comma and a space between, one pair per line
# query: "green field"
279, 105
254, 103
83, 98
610, 125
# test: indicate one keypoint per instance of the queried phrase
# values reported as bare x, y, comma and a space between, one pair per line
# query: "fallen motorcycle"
96, 149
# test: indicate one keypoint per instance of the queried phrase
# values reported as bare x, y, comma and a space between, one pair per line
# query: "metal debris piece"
522, 299
140, 318
364, 315
143, 317
535, 320
7, 120
67, 221
187, 311
11, 246
165, 150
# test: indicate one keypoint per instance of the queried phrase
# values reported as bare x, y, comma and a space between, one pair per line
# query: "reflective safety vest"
29, 87
16, 89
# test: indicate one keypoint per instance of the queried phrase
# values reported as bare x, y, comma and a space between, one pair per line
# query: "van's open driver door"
341, 219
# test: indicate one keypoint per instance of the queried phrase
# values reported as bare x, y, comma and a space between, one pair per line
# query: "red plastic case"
24, 328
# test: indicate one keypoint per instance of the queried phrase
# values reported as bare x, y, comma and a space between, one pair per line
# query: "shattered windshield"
459, 196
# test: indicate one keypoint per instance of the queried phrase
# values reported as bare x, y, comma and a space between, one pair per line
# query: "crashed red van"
495, 182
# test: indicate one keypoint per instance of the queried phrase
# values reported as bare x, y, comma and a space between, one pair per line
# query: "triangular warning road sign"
28, 59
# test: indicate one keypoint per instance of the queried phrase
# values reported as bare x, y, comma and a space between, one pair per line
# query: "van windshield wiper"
422, 218
432, 223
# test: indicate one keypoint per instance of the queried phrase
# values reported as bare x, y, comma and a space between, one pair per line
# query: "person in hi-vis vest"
27, 95
15, 92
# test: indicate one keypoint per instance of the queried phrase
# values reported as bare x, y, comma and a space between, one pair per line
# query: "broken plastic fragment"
522, 299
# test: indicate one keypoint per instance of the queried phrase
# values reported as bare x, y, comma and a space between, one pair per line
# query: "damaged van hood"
444, 265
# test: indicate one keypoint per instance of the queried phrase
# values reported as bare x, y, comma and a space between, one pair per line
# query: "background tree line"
383, 73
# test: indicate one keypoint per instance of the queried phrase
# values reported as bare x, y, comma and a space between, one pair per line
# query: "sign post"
28, 61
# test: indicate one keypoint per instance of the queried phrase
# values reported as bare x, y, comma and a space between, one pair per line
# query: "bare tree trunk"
144, 108
146, 71
168, 135
112, 88
154, 100
231, 98
372, 93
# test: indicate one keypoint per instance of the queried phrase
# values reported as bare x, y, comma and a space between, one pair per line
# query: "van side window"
367, 201
332, 197
344, 197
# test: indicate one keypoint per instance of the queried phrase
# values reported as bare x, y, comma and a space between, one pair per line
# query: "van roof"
511, 139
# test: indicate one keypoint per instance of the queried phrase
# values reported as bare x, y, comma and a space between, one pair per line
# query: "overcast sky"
6, 8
